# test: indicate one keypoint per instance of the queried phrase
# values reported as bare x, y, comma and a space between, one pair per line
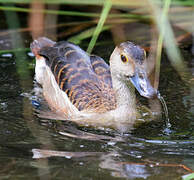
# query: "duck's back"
85, 79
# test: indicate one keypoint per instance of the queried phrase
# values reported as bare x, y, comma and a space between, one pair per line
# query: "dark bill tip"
143, 85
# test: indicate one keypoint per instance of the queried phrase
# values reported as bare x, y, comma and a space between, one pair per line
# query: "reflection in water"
42, 153
107, 161
142, 154
119, 169
136, 171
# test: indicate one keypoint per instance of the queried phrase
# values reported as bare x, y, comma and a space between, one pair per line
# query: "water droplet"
30, 54
111, 143
7, 55
151, 165
168, 125
68, 157
35, 103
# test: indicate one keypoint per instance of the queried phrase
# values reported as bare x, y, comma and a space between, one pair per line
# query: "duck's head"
127, 65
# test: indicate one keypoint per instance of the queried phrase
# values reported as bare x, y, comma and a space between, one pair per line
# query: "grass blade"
67, 13
106, 8
172, 50
85, 34
160, 43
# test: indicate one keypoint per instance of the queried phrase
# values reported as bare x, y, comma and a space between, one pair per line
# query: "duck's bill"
142, 84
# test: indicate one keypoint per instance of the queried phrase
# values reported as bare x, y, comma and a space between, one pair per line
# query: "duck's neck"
125, 95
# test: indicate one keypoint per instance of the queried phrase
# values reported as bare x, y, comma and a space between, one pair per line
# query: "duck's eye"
124, 58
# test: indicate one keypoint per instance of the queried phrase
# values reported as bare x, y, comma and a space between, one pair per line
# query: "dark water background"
147, 152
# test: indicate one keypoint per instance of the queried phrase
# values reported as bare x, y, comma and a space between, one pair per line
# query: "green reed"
144, 14
106, 8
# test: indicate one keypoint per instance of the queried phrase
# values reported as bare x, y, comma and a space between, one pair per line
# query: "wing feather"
85, 79
102, 69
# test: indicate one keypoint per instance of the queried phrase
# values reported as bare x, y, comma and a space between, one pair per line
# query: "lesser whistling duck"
83, 88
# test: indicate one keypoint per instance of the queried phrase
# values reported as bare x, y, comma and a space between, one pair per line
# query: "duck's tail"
55, 97
40, 43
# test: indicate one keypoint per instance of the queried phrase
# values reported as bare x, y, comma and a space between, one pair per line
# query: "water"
38, 148
167, 120
87, 153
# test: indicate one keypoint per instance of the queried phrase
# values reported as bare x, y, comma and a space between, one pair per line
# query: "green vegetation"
106, 8
188, 176
159, 14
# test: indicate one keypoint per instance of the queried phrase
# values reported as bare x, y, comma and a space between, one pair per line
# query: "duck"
83, 88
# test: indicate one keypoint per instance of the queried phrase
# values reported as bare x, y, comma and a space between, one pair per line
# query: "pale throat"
125, 94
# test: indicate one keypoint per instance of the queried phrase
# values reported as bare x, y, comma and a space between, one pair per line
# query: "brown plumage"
87, 83
83, 86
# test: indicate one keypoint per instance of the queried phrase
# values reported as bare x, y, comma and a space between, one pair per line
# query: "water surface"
64, 150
